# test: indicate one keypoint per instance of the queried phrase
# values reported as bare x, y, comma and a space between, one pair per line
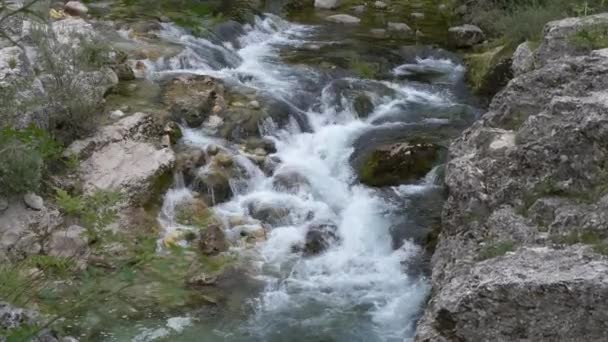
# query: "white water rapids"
360, 288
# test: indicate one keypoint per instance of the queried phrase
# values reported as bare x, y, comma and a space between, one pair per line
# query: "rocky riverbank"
522, 249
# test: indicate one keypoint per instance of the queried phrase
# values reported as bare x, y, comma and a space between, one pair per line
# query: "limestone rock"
465, 36
69, 243
123, 157
534, 293
523, 59
343, 19
327, 4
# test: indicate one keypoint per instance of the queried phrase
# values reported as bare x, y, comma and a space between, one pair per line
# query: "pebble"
33, 201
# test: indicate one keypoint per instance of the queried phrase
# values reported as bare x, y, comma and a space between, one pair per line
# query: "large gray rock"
124, 157
14, 65
327, 4
465, 36
558, 36
535, 294
526, 182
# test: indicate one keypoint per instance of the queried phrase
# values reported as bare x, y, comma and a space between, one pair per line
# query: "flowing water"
370, 284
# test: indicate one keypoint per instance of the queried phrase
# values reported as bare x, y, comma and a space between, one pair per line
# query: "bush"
23, 154
522, 20
591, 38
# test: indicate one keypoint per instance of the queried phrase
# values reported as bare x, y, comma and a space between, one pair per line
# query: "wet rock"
188, 162
214, 181
343, 19
192, 99
124, 157
319, 237
255, 144
194, 213
327, 4
33, 201
212, 240
399, 163
465, 36
230, 31
293, 181
76, 8
270, 213
399, 30
363, 105
489, 71
69, 243
523, 59
124, 72
255, 105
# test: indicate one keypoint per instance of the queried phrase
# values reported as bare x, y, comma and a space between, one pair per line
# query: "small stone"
380, 5
213, 150
165, 141
378, 33
260, 152
359, 9
3, 204
254, 105
417, 16
327, 4
76, 8
117, 114
343, 19
33, 201
465, 36
399, 30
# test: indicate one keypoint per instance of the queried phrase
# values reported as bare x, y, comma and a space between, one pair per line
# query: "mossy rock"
400, 163
489, 71
194, 213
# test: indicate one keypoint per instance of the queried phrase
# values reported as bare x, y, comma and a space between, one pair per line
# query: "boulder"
76, 8
192, 99
124, 157
560, 34
327, 4
465, 36
215, 181
212, 240
270, 213
399, 163
523, 236
319, 237
290, 180
523, 59
533, 293
343, 19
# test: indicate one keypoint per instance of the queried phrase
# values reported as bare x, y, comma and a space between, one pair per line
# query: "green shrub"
496, 249
591, 38
23, 154
522, 20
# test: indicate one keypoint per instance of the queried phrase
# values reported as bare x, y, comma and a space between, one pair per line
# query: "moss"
490, 70
495, 249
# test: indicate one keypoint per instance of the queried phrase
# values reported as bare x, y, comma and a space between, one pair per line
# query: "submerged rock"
399, 163
193, 99
319, 237
465, 36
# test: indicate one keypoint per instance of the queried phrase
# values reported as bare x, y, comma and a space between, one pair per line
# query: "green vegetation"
522, 20
596, 240
591, 38
495, 249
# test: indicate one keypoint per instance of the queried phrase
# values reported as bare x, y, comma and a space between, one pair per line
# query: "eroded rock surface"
521, 254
